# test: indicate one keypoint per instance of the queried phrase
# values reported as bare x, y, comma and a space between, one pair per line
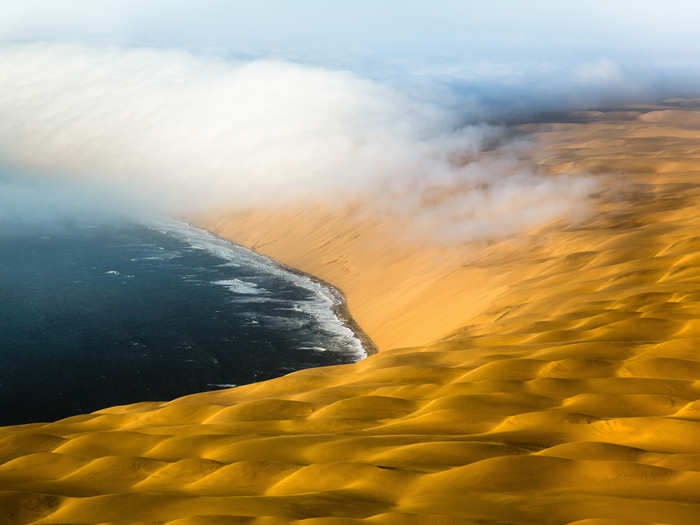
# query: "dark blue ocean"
95, 314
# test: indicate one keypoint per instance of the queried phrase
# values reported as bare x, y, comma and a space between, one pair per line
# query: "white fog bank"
186, 134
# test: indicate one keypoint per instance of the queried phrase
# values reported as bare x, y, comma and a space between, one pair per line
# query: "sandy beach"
548, 378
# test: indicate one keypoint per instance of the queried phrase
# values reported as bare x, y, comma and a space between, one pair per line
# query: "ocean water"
100, 314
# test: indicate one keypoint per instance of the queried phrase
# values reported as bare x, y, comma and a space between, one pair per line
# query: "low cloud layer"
187, 134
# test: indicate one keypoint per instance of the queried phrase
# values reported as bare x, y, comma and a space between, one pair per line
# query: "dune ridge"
551, 378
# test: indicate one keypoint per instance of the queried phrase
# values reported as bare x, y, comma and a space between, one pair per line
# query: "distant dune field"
549, 378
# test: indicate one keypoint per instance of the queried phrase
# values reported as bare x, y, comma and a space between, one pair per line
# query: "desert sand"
550, 378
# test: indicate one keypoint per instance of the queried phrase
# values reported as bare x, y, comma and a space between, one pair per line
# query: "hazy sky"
503, 41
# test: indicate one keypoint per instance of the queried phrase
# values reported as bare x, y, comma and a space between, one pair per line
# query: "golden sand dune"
566, 392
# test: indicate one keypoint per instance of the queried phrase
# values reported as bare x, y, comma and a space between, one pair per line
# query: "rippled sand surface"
561, 385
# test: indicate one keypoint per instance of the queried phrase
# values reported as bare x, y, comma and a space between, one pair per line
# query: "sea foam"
323, 304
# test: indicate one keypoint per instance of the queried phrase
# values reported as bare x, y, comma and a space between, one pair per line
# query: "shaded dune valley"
549, 378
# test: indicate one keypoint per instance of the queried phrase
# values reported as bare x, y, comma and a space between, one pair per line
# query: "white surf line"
323, 308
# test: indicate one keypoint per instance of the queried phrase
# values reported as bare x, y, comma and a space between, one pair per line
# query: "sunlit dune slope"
566, 391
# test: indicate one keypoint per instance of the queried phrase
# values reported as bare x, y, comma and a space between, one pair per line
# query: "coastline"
401, 293
338, 303
340, 308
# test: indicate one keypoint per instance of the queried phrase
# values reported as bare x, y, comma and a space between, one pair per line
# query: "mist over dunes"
189, 106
